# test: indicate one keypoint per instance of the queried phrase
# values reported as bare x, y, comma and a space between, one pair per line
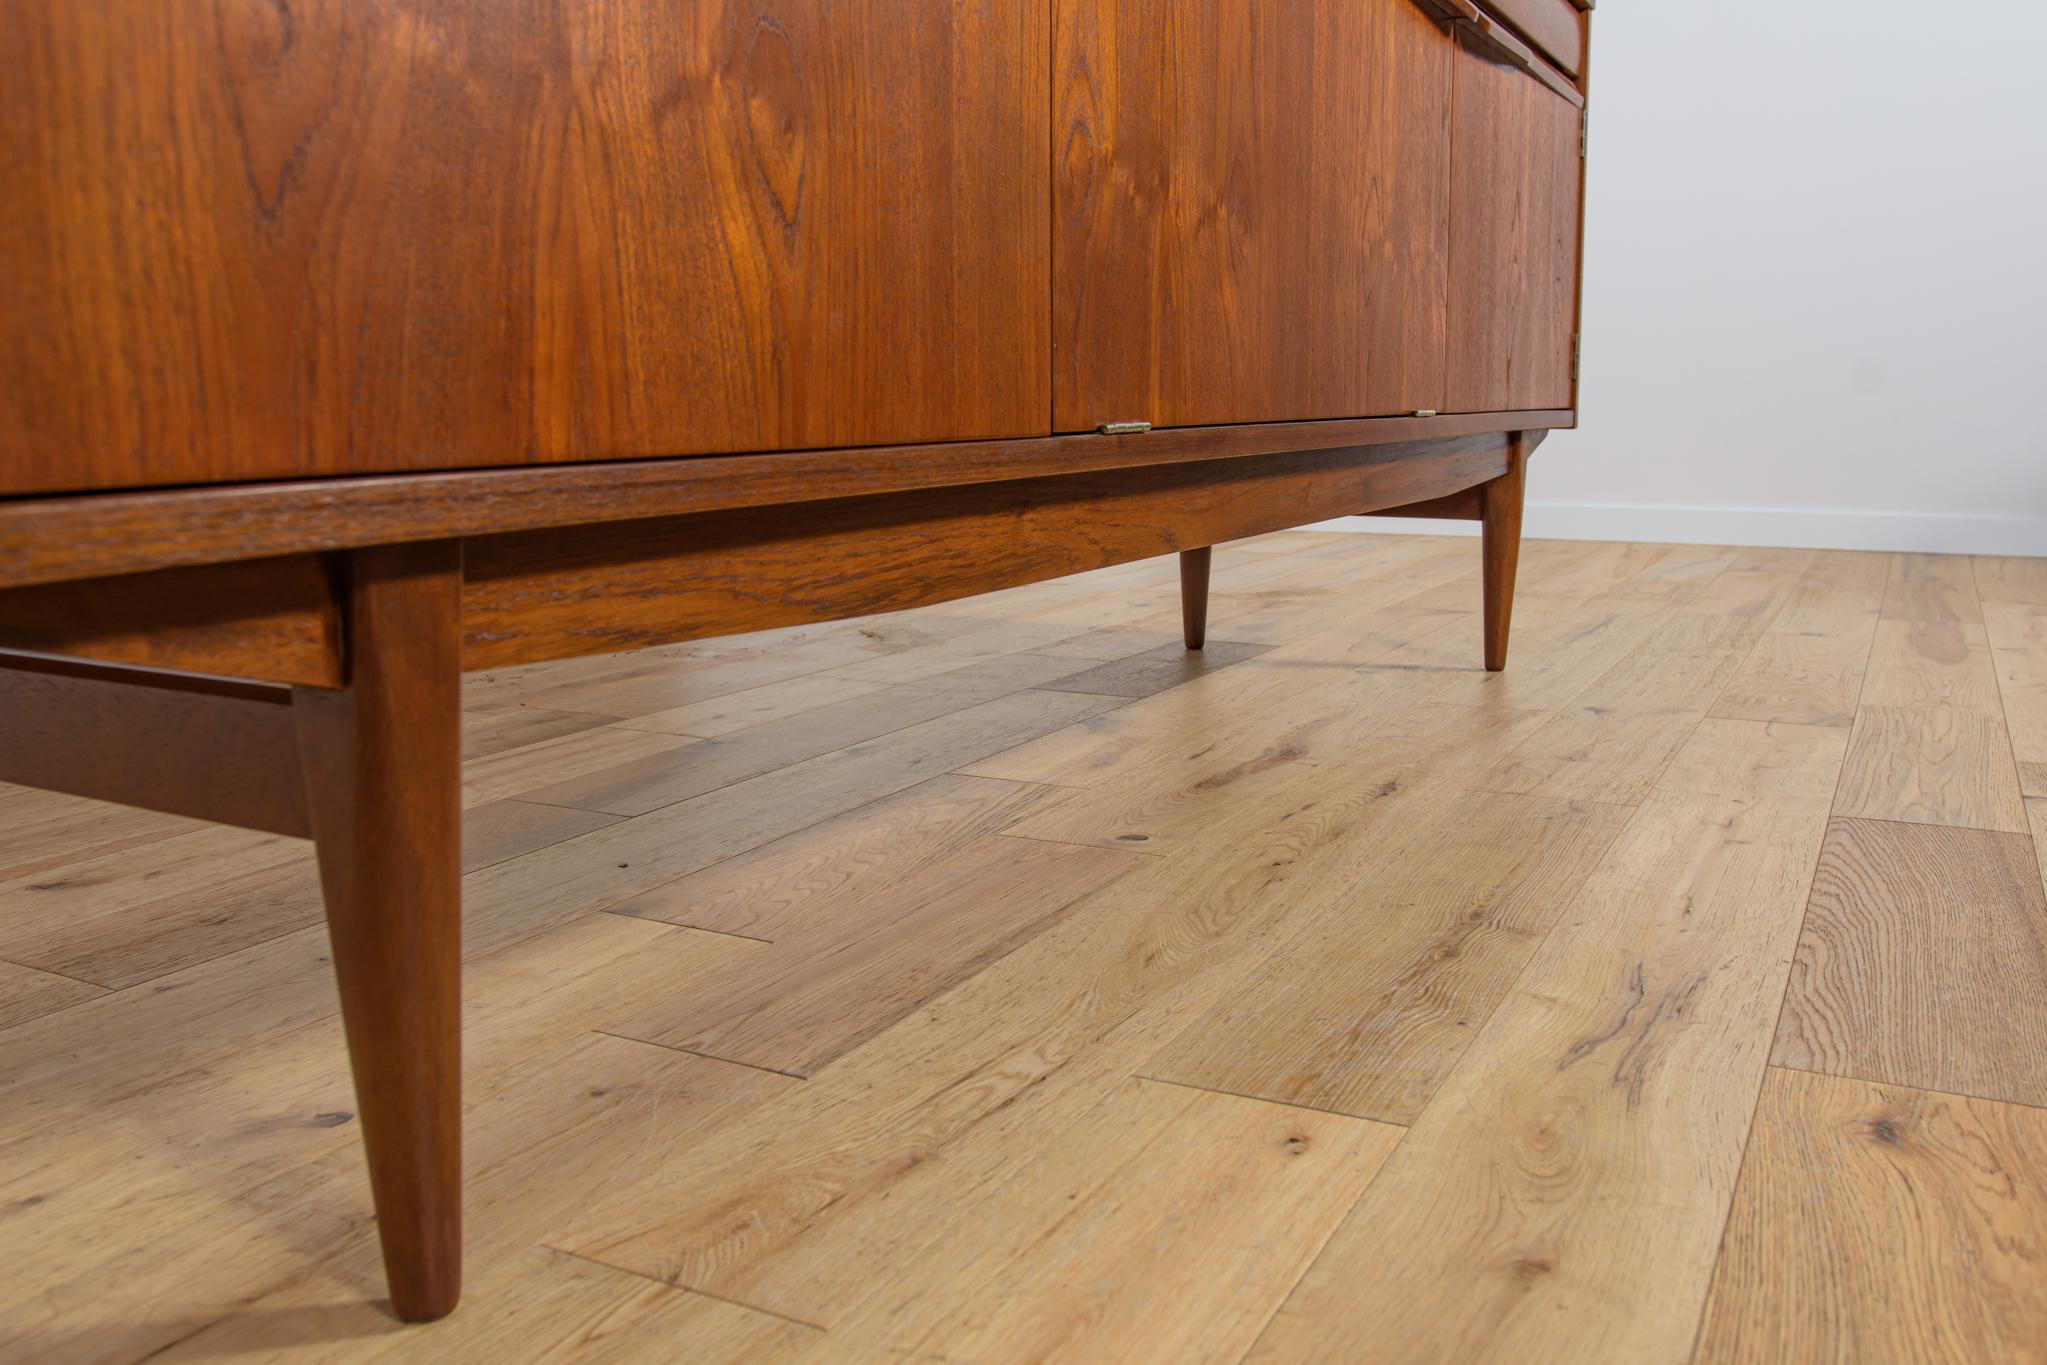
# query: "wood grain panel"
251, 241
225, 752
1514, 208
1251, 203
271, 620
1875, 1222
547, 594
1889, 983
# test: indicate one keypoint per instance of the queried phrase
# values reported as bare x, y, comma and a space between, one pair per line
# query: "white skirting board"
1796, 528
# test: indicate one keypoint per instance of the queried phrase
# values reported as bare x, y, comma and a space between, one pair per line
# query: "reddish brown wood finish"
1500, 507
549, 594
1513, 239
52, 539
1555, 27
1251, 204
245, 240
275, 620
382, 764
1468, 505
204, 748
1194, 565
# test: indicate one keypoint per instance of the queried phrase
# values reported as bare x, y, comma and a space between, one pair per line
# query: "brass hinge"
1123, 428
1577, 353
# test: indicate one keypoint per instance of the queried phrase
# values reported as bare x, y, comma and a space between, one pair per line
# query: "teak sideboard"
345, 346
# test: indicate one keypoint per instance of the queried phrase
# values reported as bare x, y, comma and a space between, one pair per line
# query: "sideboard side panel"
1513, 239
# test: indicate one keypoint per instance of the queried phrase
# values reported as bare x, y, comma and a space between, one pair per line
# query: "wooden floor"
996, 982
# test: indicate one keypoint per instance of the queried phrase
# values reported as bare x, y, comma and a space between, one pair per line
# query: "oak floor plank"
1000, 640
797, 880
1166, 1226
2018, 646
1807, 668
118, 919
1889, 982
50, 829
1932, 663
1366, 1011
1243, 707
756, 706
881, 1152
551, 762
2021, 581
488, 730
622, 686
1937, 588
544, 1137
501, 830
1613, 742
543, 1307
1930, 742
615, 864
825, 988
1178, 803
1111, 642
900, 719
1877, 1222
1931, 765
1563, 1193
26, 993
1156, 669
1561, 647
1617, 735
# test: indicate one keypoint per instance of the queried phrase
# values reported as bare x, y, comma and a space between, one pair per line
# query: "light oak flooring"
998, 982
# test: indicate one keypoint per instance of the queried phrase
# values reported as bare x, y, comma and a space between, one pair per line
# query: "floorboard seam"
1908, 1085
707, 1056
1268, 1099
677, 1286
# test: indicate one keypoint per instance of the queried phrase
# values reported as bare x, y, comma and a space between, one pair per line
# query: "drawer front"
1555, 27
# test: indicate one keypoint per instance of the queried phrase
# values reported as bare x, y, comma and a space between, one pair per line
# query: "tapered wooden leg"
382, 762
1500, 509
1194, 595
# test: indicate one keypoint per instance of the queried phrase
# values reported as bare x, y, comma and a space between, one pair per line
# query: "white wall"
1816, 280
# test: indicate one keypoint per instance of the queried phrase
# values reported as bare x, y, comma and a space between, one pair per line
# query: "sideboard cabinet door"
1513, 239
1252, 202
244, 240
